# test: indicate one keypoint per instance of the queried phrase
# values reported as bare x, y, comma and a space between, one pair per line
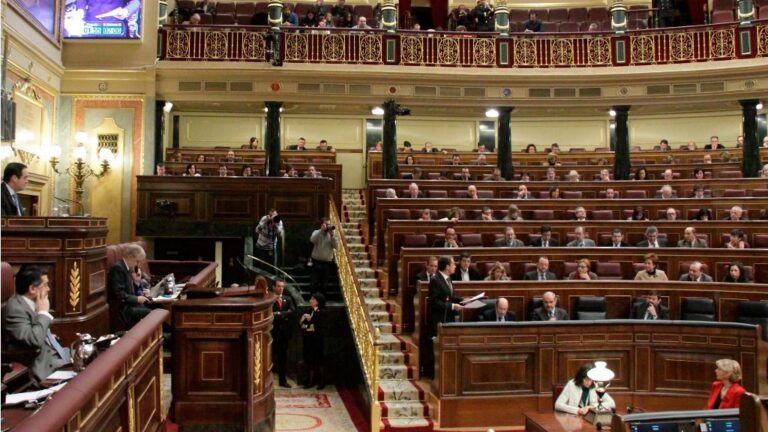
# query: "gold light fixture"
79, 169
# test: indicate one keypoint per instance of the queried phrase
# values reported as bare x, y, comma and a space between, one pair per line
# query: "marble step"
353, 238
365, 272
390, 342
399, 390
368, 282
361, 263
406, 425
346, 225
403, 409
392, 357
371, 292
357, 248
384, 327
376, 305
389, 372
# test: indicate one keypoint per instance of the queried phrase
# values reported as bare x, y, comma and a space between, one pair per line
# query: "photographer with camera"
324, 241
269, 229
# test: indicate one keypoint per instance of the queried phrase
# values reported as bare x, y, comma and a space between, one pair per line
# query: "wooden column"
504, 151
272, 139
622, 164
750, 161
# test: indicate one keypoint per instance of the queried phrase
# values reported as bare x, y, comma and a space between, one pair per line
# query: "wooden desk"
556, 422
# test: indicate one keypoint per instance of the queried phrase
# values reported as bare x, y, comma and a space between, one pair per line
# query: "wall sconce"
79, 169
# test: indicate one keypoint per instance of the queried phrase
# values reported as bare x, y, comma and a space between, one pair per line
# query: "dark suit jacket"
439, 303
709, 147
283, 319
408, 195
422, 277
120, 287
539, 314
440, 243
24, 328
698, 243
295, 147
490, 315
638, 312
537, 242
534, 275
8, 207
661, 241
622, 244
503, 243
474, 275
687, 278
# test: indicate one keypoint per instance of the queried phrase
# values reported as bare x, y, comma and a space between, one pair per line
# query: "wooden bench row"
190, 154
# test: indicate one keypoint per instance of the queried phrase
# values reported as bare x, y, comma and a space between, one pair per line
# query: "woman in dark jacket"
313, 342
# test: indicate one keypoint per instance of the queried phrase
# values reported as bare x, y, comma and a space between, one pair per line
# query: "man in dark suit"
542, 271
695, 274
652, 239
546, 239
442, 306
27, 321
500, 313
126, 287
714, 143
690, 240
283, 312
15, 179
301, 144
414, 192
465, 272
509, 239
581, 239
549, 310
617, 239
450, 240
429, 271
652, 309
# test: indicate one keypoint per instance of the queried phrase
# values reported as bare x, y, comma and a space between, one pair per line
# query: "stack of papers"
474, 302
24, 397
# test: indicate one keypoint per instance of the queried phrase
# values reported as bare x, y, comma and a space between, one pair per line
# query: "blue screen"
655, 427
723, 425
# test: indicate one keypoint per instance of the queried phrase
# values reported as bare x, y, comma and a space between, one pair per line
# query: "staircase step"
371, 292
384, 327
365, 272
406, 425
395, 372
376, 305
403, 409
399, 390
369, 282
392, 357
390, 342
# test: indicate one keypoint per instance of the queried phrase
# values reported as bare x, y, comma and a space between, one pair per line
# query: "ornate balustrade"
453, 49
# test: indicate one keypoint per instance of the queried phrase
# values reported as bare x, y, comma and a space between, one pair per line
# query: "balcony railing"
454, 49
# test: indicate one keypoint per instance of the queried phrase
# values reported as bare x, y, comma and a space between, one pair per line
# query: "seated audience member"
497, 273
602, 161
496, 175
530, 148
513, 213
160, 169
230, 157
605, 175
542, 272
246, 171
289, 16
554, 148
664, 145
409, 160
480, 148
455, 159
429, 149
27, 321
546, 239
736, 240
707, 158
592, 28
323, 146
652, 239
525, 176
698, 174
291, 172
670, 214
194, 20
200, 158
554, 192
726, 391
582, 271
455, 214
472, 192
426, 215
417, 174
465, 175
500, 313
580, 214
714, 143
641, 174
617, 238
690, 240
310, 20
765, 141
580, 240
223, 171
764, 171
191, 171
611, 194
651, 271
509, 239
407, 147
523, 192
552, 160
551, 174
429, 271
667, 175
390, 193
481, 160
579, 396
651, 310
736, 273
691, 146
736, 213
638, 214
378, 147
532, 24
301, 143
487, 214
698, 192
573, 176
414, 192
450, 241
464, 271
126, 286
704, 214
176, 157
695, 274
666, 192
549, 310
253, 143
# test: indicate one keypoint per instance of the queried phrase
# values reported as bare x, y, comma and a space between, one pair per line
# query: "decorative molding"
75, 286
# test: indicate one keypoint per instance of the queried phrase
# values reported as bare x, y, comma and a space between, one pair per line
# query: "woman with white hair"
726, 390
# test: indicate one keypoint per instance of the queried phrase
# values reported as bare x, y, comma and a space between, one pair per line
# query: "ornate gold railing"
362, 326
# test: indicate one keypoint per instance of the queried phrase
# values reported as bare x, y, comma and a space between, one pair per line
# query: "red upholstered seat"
518, 15
6, 281
549, 27
437, 193
529, 267
730, 174
433, 176
206, 19
725, 238
603, 215
301, 9
597, 14
540, 194
577, 150
558, 15
571, 194
539, 214
485, 194
760, 193
578, 14
542, 14
726, 5
569, 267
471, 240
225, 7
609, 270
459, 193
223, 19
398, 214
734, 193
635, 194
415, 240
601, 194
364, 10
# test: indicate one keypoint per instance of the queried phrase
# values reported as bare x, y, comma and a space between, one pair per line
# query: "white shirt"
465, 275
570, 398
33, 306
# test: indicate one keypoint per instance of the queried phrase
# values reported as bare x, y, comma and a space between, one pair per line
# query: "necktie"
552, 314
57, 346
615, 245
501, 319
541, 276
280, 303
546, 243
16, 203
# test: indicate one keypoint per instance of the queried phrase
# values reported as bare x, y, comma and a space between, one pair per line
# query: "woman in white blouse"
579, 395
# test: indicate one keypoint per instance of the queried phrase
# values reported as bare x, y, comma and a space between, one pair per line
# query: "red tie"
280, 303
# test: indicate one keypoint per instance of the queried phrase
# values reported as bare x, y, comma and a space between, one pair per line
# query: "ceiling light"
377, 111
492, 113
612, 113
168, 106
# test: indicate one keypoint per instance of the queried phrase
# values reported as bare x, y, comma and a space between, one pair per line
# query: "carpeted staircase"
400, 397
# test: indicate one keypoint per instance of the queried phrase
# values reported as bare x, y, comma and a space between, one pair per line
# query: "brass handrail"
362, 327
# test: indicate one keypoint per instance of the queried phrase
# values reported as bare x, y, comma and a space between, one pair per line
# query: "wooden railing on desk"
121, 390
362, 327
753, 412
189, 155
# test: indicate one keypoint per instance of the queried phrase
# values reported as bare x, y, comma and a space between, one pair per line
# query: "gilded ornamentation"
333, 47
722, 44
370, 48
257, 364
178, 44
599, 51
254, 46
131, 409
74, 286
762, 40
411, 49
484, 51
215, 45
162, 387
448, 51
681, 46
561, 52
643, 49
296, 47
525, 52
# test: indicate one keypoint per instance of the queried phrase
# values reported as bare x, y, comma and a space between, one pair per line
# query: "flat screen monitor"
654, 427
103, 19
723, 425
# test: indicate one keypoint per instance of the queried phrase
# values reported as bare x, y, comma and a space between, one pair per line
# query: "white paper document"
475, 304
17, 398
62, 375
472, 299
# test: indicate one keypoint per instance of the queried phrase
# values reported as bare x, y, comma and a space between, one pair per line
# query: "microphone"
69, 201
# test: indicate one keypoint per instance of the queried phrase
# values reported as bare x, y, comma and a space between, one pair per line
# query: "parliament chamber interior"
413, 215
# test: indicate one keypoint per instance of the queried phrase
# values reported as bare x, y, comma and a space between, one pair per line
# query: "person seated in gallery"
509, 240
455, 214
714, 144
429, 149
413, 191
549, 310
580, 214
651, 309
542, 272
27, 320
704, 214
486, 215
582, 271
690, 240
465, 272
429, 271
652, 239
651, 272
736, 273
545, 239
301, 144
160, 169
530, 148
736, 240
736, 213
523, 192
291, 172
496, 175
499, 313
579, 396
426, 215
246, 171
223, 171
231, 158
472, 192
497, 273
324, 147
580, 239
450, 240
253, 144
695, 274
513, 213
192, 171
726, 391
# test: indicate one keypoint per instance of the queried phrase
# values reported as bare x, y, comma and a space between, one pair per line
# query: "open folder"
474, 302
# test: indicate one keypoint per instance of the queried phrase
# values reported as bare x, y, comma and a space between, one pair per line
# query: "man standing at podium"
283, 312
15, 178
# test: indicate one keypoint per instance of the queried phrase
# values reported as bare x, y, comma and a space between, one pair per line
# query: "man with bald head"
542, 272
690, 240
549, 310
736, 213
500, 313
695, 274
414, 192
